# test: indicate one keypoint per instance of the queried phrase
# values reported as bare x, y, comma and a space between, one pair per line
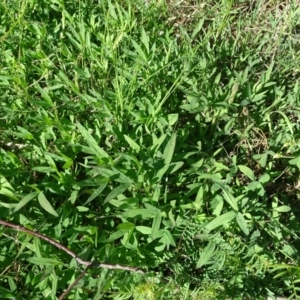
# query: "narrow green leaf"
46, 205
132, 143
218, 208
167, 156
43, 169
152, 208
126, 226
263, 158
269, 71
155, 226
122, 178
187, 206
8, 205
169, 237
139, 50
142, 212
169, 149
6, 188
283, 208
54, 286
220, 167
288, 123
176, 166
24, 133
156, 142
36, 245
206, 255
217, 177
162, 243
107, 173
259, 97
116, 235
112, 173
144, 229
91, 230
25, 200
172, 119
242, 223
247, 171
96, 193
92, 143
199, 198
74, 42
56, 157
162, 172
229, 198
197, 28
12, 285
221, 220
74, 196
45, 95
82, 208
64, 78
43, 261
145, 39
233, 93
116, 192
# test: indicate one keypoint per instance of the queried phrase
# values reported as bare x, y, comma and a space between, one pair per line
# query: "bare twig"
68, 251
86, 263
66, 292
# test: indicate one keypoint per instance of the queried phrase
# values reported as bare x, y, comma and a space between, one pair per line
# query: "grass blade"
25, 200
99, 152
221, 220
206, 255
116, 192
45, 204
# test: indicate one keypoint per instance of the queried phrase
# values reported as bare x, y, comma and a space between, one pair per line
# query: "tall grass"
162, 135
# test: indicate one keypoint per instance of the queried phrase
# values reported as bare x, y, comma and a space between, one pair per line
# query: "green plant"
134, 134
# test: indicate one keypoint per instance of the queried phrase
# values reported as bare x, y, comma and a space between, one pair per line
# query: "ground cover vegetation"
159, 135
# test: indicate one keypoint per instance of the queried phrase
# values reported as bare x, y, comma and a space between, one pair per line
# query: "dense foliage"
162, 135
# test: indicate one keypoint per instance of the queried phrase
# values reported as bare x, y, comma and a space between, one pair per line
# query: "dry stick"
86, 263
68, 251
66, 292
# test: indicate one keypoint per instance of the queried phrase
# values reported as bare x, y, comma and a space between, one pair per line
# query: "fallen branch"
86, 263
68, 251
66, 292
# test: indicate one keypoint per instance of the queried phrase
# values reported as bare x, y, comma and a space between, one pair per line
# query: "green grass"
162, 135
